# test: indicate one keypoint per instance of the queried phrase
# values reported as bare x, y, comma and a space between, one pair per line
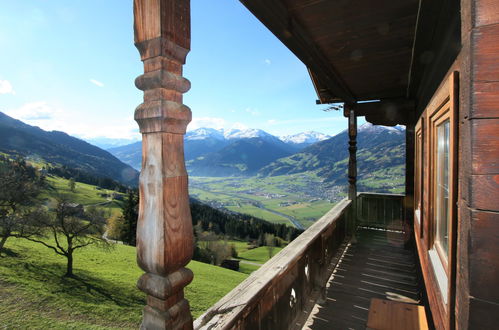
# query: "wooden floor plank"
376, 266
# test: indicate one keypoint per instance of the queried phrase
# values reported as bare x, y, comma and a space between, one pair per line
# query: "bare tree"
20, 184
72, 229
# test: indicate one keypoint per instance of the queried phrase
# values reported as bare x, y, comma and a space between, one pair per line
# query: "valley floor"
296, 199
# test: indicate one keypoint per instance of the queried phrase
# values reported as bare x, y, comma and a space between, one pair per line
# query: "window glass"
417, 178
442, 188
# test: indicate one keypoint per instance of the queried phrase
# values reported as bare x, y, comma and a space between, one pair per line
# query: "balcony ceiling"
355, 49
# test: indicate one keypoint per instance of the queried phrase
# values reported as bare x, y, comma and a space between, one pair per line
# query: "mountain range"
203, 146
211, 152
380, 158
59, 148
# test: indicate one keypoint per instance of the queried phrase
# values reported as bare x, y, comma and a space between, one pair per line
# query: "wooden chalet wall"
477, 294
474, 275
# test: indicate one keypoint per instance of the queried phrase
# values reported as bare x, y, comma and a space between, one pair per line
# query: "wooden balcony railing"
384, 211
282, 290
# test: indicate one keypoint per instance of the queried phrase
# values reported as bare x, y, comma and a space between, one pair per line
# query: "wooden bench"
392, 315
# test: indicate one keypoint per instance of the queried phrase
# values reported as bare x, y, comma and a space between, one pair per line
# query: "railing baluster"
380, 210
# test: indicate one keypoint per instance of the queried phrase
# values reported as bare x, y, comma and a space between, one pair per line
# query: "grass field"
247, 268
258, 255
103, 295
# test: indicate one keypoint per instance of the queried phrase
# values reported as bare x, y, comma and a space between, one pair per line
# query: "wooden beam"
275, 16
164, 230
387, 112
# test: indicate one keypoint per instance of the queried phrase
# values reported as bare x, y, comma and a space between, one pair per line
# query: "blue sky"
70, 66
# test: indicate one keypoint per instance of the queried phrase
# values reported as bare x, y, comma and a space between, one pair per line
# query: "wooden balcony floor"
377, 266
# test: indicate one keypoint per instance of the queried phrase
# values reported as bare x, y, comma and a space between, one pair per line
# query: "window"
435, 180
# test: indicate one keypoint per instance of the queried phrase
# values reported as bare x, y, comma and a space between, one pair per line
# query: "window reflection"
442, 188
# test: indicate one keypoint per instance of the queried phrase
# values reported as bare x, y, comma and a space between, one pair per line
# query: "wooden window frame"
443, 107
419, 177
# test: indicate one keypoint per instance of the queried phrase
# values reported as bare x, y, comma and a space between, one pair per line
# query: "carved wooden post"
352, 167
164, 230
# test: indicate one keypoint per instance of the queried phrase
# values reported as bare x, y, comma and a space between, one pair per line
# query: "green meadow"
103, 295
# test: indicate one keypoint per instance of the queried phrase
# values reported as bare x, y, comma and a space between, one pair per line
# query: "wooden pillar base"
166, 307
177, 316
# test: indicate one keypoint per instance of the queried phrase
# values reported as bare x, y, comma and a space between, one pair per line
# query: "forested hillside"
59, 148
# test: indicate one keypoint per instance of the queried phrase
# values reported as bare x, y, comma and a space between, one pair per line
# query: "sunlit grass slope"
103, 295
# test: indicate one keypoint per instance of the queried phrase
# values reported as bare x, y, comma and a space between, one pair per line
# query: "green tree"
72, 229
270, 243
130, 217
72, 185
20, 184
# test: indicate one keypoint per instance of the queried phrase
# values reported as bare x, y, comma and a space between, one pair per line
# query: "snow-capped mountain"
204, 133
370, 128
219, 143
236, 134
308, 138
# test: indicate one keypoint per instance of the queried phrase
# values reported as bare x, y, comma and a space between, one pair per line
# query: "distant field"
300, 196
258, 213
103, 296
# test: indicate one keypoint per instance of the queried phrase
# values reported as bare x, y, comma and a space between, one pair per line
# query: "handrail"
366, 193
275, 295
384, 211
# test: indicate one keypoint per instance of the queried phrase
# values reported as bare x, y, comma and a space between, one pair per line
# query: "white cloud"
49, 118
6, 87
252, 112
97, 83
209, 122
33, 111
126, 130
267, 61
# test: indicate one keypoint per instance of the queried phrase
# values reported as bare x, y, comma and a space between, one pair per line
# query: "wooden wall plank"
486, 100
486, 12
483, 314
485, 63
462, 266
485, 149
485, 192
484, 263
